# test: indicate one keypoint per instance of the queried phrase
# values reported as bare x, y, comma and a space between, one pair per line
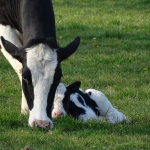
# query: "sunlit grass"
113, 57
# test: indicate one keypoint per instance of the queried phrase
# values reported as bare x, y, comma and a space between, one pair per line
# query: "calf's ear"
11, 49
74, 87
69, 49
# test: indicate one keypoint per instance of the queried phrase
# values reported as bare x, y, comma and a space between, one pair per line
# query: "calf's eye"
89, 93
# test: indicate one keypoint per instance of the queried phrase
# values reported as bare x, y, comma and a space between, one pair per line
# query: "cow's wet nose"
42, 124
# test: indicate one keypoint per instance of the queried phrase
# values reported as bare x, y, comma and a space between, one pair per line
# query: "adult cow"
32, 24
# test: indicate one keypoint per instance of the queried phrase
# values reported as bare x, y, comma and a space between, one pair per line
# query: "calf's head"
62, 98
41, 74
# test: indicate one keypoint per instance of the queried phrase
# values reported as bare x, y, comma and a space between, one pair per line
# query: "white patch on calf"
89, 113
58, 104
105, 107
101, 100
42, 62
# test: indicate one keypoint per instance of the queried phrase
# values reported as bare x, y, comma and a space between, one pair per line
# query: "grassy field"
114, 57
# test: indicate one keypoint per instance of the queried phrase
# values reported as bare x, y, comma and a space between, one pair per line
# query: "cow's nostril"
43, 127
61, 114
42, 124
56, 114
34, 124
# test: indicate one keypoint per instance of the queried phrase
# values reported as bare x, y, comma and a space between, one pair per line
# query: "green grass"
113, 57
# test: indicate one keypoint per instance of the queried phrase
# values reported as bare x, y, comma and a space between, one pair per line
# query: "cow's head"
62, 98
41, 74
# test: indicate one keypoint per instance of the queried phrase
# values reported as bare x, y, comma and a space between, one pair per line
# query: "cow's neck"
37, 20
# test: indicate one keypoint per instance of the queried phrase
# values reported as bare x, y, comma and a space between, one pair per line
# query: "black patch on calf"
80, 100
89, 102
74, 87
74, 110
66, 101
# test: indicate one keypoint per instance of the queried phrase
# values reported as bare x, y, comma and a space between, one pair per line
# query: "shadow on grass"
137, 4
69, 125
126, 4
65, 128
135, 126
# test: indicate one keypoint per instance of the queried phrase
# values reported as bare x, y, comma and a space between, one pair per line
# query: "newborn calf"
84, 105
75, 102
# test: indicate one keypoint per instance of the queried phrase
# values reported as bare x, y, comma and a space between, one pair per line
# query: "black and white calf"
70, 100
32, 24
84, 105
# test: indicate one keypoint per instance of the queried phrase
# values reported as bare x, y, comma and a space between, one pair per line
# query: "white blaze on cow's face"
42, 63
61, 101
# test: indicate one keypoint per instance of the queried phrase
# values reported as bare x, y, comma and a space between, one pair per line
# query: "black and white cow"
32, 24
84, 105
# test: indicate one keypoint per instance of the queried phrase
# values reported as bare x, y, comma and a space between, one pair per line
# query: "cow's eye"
25, 79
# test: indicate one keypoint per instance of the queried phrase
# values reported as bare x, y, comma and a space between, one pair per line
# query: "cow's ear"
69, 49
11, 49
74, 87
